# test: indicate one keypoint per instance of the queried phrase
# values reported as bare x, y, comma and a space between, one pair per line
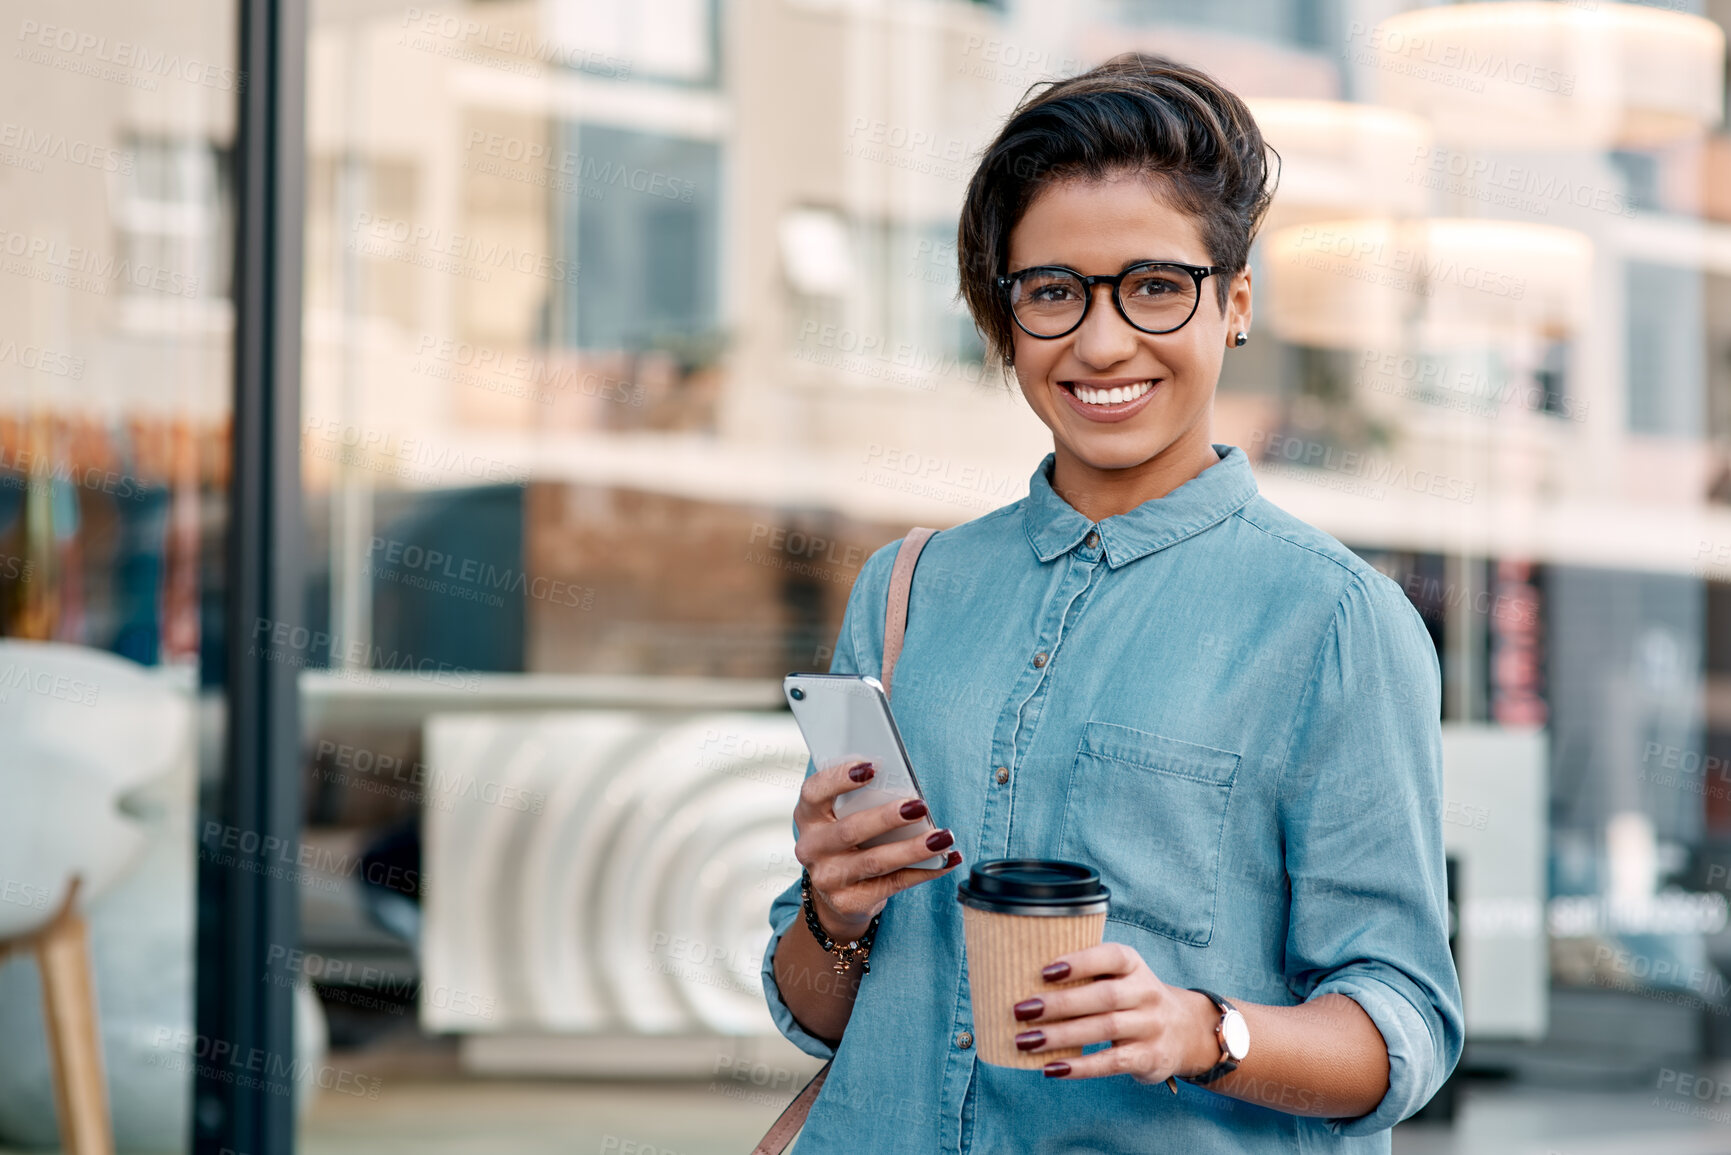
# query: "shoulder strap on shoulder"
901, 585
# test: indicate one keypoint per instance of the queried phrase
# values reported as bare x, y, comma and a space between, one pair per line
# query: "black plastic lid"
1038, 886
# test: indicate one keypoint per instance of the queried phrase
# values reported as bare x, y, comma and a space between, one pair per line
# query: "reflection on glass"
632, 331
115, 333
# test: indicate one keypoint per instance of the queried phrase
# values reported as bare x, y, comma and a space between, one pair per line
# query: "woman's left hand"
1156, 1031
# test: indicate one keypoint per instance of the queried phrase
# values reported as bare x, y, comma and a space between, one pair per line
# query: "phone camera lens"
796, 694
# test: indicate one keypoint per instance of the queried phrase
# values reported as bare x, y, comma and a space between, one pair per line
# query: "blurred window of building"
647, 240
1664, 331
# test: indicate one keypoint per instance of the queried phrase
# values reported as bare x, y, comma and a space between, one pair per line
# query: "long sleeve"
1360, 801
858, 640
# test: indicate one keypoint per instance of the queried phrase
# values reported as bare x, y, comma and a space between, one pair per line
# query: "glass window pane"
634, 329
117, 125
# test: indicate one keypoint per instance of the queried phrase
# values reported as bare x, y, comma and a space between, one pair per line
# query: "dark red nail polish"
955, 859
1056, 973
1057, 1070
913, 809
861, 772
1028, 1040
940, 841
1031, 1009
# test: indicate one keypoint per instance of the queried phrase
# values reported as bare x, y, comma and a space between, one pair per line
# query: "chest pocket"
1149, 813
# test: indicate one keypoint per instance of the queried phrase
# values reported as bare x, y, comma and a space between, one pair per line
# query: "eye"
1158, 283
1050, 288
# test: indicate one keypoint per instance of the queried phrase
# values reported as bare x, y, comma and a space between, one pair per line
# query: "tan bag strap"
901, 585
788, 1123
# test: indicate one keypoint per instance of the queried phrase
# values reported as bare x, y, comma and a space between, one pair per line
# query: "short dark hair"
1135, 113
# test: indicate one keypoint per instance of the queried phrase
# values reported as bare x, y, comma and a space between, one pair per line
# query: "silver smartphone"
845, 716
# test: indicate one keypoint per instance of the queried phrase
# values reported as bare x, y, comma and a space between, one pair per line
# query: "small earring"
1241, 340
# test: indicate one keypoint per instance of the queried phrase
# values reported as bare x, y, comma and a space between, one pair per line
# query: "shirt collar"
1055, 527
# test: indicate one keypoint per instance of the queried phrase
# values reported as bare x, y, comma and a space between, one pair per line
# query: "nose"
1104, 338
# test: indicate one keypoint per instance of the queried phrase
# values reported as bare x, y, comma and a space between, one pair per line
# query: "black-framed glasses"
1050, 301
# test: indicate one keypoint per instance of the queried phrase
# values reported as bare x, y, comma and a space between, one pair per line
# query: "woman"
1146, 667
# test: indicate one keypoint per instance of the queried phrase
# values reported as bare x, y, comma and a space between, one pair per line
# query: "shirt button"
1003, 775
1039, 659
1092, 540
964, 1041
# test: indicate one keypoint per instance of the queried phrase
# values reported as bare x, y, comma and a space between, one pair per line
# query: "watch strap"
1227, 1063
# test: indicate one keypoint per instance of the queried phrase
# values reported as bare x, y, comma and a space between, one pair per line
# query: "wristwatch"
1233, 1034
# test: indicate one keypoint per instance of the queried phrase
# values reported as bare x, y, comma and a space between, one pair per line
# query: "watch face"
1235, 1033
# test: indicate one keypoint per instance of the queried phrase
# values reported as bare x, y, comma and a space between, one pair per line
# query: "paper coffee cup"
1018, 914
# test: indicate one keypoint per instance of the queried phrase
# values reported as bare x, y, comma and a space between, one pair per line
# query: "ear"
1238, 303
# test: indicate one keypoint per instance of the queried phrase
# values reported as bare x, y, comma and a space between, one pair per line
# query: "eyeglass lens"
1050, 302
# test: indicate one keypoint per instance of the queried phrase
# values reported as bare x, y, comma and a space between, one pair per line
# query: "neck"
1101, 493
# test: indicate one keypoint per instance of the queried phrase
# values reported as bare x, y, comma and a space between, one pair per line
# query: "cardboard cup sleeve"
1006, 953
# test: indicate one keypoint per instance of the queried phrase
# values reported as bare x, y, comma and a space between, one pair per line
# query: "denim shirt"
1229, 714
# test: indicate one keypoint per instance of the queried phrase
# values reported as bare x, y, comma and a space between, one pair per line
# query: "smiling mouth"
1116, 395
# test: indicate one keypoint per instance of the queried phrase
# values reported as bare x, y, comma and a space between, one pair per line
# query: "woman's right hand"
851, 884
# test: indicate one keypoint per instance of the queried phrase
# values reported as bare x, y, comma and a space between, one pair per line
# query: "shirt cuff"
784, 913
1416, 1066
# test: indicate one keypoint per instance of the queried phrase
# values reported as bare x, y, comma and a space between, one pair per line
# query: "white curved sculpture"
605, 872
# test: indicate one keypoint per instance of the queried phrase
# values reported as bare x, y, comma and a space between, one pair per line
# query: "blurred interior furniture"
90, 740
62, 950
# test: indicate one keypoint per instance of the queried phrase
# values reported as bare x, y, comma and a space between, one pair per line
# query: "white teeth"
1114, 396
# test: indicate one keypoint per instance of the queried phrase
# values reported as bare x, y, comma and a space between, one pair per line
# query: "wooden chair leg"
74, 1035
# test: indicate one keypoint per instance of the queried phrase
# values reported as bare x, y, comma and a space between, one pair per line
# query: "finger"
868, 824
867, 894
1109, 959
1133, 1026
817, 794
1050, 1006
831, 839
912, 876
1101, 1064
877, 861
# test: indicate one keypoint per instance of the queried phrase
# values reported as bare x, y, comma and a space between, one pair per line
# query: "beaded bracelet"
860, 948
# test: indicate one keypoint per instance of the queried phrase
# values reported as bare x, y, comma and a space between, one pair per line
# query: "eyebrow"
1121, 268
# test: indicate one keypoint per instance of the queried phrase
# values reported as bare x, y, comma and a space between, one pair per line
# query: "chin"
1124, 454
